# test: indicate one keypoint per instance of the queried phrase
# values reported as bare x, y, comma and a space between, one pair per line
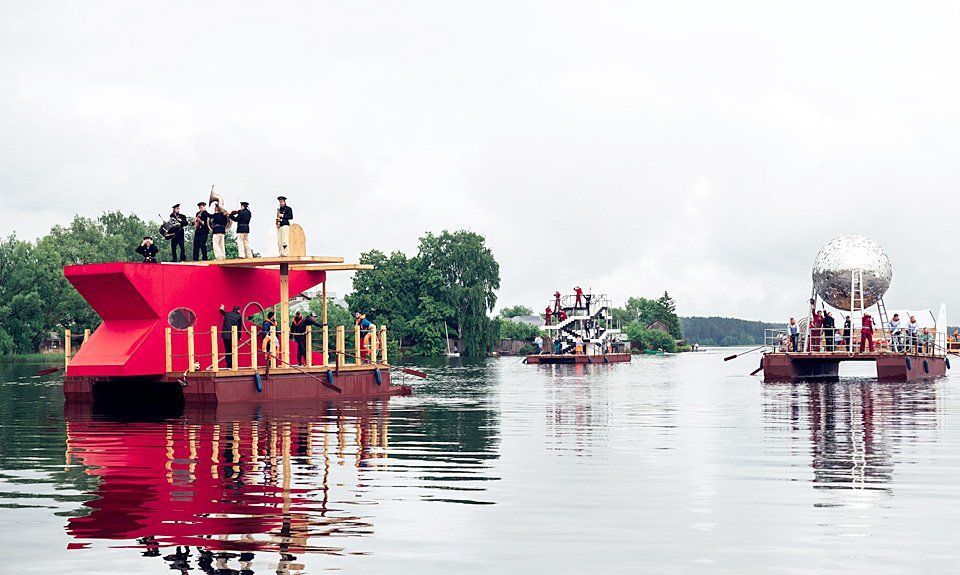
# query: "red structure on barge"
159, 334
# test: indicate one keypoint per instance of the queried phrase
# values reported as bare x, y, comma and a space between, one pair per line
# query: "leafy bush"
650, 338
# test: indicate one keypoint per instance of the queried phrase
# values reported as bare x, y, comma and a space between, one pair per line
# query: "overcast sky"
705, 148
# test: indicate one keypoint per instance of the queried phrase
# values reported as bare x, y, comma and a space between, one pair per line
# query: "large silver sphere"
835, 265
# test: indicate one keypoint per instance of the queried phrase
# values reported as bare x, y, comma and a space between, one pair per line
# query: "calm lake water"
679, 464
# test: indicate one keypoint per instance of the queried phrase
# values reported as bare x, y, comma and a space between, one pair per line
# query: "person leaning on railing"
794, 331
231, 319
913, 334
926, 340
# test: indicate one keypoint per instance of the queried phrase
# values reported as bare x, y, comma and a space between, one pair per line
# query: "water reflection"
211, 487
854, 428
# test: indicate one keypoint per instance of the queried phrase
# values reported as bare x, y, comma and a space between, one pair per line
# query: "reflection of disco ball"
836, 262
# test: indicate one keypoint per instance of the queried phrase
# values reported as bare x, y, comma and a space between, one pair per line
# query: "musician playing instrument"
284, 215
242, 217
148, 250
177, 239
201, 231
218, 224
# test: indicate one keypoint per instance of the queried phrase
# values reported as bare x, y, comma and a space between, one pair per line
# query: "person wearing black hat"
177, 239
242, 217
148, 250
201, 225
230, 319
284, 215
218, 225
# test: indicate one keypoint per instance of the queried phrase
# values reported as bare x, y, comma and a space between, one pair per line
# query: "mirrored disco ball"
835, 265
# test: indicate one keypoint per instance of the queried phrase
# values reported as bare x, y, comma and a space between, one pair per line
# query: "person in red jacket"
866, 332
556, 302
817, 322
561, 316
579, 293
548, 313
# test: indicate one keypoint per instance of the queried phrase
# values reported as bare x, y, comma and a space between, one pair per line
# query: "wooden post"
66, 348
214, 350
326, 344
168, 348
86, 335
341, 344
284, 319
324, 284
383, 344
356, 343
253, 347
234, 349
309, 346
374, 340
191, 359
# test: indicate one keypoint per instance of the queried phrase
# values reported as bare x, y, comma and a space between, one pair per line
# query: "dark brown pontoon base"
230, 387
581, 358
891, 367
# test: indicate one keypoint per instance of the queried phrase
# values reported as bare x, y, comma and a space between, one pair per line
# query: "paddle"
307, 373
736, 355
413, 372
756, 371
49, 370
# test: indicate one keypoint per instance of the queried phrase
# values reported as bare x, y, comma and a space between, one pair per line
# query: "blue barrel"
926, 367
379, 377
257, 382
909, 367
330, 377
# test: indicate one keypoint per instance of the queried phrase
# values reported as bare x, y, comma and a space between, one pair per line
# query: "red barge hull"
209, 388
891, 367
579, 358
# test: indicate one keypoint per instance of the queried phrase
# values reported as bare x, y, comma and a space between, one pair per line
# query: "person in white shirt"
896, 333
913, 334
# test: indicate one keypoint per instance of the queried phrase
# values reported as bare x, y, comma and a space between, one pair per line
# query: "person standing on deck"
177, 239
896, 333
538, 341
547, 314
230, 319
148, 250
268, 328
829, 327
579, 291
556, 302
847, 334
913, 333
365, 326
284, 215
298, 332
201, 231
866, 332
218, 224
586, 299
794, 331
242, 217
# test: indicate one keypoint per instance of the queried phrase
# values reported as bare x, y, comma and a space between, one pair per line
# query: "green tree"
459, 270
653, 339
514, 330
389, 293
515, 311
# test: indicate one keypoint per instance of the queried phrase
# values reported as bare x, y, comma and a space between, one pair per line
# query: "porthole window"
181, 318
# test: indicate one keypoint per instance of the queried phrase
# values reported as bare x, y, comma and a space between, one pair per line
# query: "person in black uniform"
177, 240
242, 217
230, 319
201, 224
218, 224
298, 331
148, 250
284, 215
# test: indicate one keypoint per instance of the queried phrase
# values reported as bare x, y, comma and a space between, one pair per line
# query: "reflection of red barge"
159, 334
227, 478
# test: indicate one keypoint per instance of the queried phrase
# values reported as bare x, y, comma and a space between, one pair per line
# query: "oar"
307, 373
756, 371
736, 355
49, 370
414, 372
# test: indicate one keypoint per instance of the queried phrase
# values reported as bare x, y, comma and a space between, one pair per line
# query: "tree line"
725, 330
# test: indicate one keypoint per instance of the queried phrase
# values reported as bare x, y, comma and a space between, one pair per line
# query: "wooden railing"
370, 346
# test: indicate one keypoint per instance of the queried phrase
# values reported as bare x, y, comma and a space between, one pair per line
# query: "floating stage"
578, 358
159, 338
825, 366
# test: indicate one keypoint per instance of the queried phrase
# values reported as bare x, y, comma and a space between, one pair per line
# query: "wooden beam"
253, 347
214, 350
285, 311
168, 349
66, 348
190, 350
